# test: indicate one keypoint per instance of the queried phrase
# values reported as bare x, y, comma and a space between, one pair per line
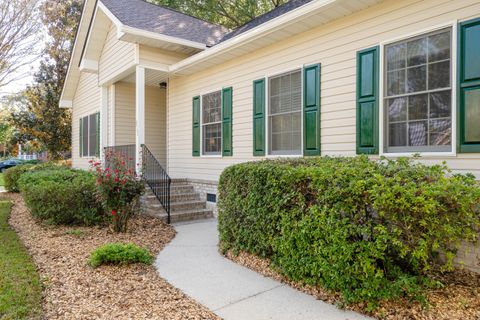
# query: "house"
312, 77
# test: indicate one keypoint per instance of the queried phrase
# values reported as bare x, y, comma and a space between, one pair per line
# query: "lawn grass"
20, 286
2, 182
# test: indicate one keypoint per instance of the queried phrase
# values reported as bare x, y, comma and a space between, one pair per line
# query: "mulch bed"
458, 300
74, 290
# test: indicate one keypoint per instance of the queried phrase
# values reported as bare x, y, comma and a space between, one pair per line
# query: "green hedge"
64, 196
119, 253
371, 230
12, 175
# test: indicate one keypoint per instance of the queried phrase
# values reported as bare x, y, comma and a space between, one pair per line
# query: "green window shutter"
196, 127
97, 122
311, 110
259, 117
227, 96
81, 138
367, 101
468, 100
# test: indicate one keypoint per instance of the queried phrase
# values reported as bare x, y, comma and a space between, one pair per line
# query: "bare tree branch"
19, 30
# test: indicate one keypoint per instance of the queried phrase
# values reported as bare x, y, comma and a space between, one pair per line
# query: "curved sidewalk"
191, 262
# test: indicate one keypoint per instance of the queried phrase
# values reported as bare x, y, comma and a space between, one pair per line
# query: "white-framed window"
89, 135
212, 123
417, 97
284, 114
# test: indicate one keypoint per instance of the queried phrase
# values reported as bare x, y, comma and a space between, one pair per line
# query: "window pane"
212, 138
93, 135
472, 115
397, 109
212, 107
417, 133
439, 75
285, 118
396, 82
419, 122
417, 79
396, 56
417, 52
85, 137
439, 47
441, 104
440, 132
397, 133
418, 107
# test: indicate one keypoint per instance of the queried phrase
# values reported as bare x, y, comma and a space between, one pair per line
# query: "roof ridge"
185, 14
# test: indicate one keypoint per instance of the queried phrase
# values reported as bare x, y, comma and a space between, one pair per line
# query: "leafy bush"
369, 229
64, 196
118, 253
119, 188
12, 175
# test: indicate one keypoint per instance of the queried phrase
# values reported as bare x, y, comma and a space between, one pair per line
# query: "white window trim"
88, 157
267, 114
202, 155
381, 96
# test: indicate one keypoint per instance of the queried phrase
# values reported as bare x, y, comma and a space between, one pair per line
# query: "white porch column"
140, 113
104, 122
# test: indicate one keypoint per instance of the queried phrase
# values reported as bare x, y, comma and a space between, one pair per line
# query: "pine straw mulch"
73, 290
458, 300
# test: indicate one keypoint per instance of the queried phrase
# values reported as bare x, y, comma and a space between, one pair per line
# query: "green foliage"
12, 175
20, 286
2, 181
62, 196
231, 14
371, 230
119, 253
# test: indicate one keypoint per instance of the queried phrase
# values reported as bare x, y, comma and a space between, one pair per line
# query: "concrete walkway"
191, 262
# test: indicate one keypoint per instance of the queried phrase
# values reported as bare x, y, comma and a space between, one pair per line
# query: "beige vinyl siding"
87, 101
158, 58
334, 45
117, 57
155, 117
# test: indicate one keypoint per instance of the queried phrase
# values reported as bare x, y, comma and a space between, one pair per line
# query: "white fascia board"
252, 34
90, 66
123, 30
67, 104
126, 30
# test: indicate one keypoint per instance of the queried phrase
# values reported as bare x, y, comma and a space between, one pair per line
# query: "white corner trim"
65, 104
252, 34
90, 66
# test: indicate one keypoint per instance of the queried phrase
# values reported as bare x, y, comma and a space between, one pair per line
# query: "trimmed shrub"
62, 196
369, 229
12, 175
119, 253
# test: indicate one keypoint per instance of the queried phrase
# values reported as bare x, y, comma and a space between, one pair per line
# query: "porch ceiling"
152, 77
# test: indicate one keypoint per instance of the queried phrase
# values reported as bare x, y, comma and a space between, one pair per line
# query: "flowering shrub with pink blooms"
119, 189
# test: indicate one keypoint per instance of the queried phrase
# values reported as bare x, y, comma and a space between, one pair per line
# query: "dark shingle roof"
287, 7
150, 17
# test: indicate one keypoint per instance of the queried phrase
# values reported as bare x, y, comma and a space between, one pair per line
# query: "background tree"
229, 13
35, 111
19, 32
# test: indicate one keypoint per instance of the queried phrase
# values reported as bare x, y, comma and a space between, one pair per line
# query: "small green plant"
119, 253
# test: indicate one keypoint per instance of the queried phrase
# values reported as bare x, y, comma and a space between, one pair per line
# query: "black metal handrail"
156, 178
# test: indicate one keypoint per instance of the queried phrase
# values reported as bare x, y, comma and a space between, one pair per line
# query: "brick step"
151, 198
178, 189
181, 216
187, 205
